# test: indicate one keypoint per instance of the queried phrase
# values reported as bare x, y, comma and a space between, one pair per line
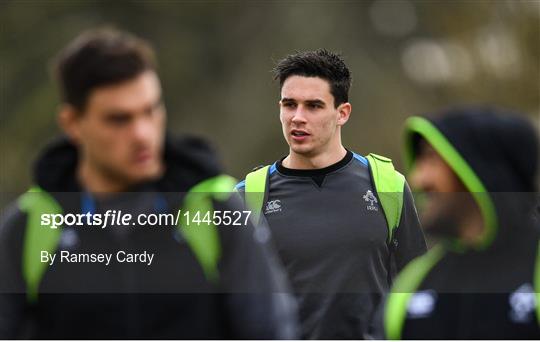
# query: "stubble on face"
447, 207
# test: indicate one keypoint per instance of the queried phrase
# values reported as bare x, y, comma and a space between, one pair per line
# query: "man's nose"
299, 115
417, 177
142, 129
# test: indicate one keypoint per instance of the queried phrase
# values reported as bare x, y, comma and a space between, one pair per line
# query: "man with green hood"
477, 169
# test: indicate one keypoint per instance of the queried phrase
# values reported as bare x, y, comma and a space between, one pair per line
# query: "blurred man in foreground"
477, 168
186, 279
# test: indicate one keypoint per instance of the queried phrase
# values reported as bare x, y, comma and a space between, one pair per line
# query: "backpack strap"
203, 238
255, 191
405, 285
37, 238
389, 185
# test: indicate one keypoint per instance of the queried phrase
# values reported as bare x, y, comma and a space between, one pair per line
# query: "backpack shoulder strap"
255, 191
202, 237
389, 185
37, 238
406, 284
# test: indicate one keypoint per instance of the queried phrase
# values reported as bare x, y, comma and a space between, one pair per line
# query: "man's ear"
68, 120
344, 112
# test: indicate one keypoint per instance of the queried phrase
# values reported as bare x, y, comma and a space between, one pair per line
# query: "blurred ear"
344, 112
69, 122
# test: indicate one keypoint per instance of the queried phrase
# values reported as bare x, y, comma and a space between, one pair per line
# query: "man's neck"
95, 182
319, 161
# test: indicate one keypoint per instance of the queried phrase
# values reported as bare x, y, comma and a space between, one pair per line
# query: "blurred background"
407, 57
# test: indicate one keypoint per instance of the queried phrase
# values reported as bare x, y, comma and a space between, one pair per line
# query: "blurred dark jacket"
489, 290
171, 299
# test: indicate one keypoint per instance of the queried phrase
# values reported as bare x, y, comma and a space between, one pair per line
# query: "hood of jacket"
495, 154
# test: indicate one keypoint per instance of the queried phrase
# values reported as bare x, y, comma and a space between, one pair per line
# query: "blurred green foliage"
407, 57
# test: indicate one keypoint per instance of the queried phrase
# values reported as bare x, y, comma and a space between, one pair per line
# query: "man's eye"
150, 111
154, 109
289, 105
117, 119
314, 106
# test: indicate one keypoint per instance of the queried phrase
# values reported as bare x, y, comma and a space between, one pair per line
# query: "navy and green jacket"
178, 297
330, 231
488, 290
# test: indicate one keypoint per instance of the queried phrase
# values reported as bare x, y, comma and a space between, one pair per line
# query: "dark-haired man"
342, 223
178, 280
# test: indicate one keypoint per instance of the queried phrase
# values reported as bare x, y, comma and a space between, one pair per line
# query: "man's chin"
302, 149
142, 175
441, 225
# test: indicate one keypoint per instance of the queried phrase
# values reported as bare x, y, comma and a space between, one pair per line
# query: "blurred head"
446, 202
476, 164
431, 173
314, 100
112, 106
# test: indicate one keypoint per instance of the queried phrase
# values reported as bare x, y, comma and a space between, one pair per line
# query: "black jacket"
484, 291
333, 242
171, 298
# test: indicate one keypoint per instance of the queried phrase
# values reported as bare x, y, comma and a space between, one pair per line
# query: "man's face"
308, 116
431, 173
446, 200
121, 130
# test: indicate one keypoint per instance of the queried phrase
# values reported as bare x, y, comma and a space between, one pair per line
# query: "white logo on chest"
522, 304
421, 304
372, 200
272, 207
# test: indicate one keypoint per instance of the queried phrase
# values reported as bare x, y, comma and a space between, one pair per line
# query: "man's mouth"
143, 156
299, 133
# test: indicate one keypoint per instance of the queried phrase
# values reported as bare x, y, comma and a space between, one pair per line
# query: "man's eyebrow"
116, 113
315, 101
156, 104
311, 102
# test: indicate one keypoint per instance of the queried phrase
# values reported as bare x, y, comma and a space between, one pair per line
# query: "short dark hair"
319, 63
100, 57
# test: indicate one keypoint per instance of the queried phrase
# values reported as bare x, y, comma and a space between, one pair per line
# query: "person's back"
104, 274
481, 281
